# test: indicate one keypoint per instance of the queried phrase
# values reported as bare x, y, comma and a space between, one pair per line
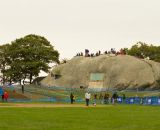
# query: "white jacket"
87, 95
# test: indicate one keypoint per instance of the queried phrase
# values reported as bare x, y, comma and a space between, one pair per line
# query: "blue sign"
158, 101
131, 100
137, 100
119, 100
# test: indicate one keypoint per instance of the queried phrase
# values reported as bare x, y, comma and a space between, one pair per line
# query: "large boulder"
120, 72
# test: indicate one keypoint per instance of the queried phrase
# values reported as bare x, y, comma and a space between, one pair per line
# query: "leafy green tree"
143, 50
29, 55
3, 61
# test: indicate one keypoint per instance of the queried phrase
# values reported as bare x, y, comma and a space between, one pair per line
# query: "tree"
3, 61
29, 55
143, 50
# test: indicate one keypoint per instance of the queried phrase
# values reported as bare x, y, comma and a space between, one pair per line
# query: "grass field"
118, 117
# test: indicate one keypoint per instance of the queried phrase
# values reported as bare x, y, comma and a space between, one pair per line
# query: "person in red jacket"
6, 96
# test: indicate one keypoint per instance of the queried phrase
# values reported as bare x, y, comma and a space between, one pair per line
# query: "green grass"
118, 117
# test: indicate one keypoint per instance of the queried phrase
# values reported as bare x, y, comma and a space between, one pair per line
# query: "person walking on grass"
87, 97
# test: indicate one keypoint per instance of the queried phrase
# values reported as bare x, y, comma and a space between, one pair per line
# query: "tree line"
144, 50
25, 57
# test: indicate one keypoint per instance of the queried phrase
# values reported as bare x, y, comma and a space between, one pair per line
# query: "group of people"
103, 98
112, 51
87, 54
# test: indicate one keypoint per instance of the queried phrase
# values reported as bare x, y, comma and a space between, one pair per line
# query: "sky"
75, 25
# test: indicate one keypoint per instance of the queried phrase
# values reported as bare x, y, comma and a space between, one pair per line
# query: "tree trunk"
3, 80
24, 80
30, 78
20, 82
3, 77
10, 81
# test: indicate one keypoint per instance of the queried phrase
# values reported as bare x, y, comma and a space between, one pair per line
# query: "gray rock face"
120, 72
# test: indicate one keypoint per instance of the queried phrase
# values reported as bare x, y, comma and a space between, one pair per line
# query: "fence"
130, 100
62, 94
139, 100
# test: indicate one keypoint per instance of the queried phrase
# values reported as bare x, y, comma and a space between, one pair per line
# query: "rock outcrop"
120, 72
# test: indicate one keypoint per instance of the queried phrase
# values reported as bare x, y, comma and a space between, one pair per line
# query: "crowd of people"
112, 51
102, 99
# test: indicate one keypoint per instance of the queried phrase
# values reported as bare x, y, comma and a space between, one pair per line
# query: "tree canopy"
27, 56
143, 50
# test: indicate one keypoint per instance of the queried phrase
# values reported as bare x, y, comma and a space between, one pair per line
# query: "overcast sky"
74, 25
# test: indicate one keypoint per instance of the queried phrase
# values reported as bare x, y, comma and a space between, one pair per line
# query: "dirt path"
44, 105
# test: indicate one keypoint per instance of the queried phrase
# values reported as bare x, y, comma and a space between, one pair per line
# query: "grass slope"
118, 117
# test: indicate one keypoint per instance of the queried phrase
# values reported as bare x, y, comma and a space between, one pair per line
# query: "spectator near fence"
106, 98
2, 96
114, 98
71, 98
95, 99
6, 96
101, 98
124, 98
74, 98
